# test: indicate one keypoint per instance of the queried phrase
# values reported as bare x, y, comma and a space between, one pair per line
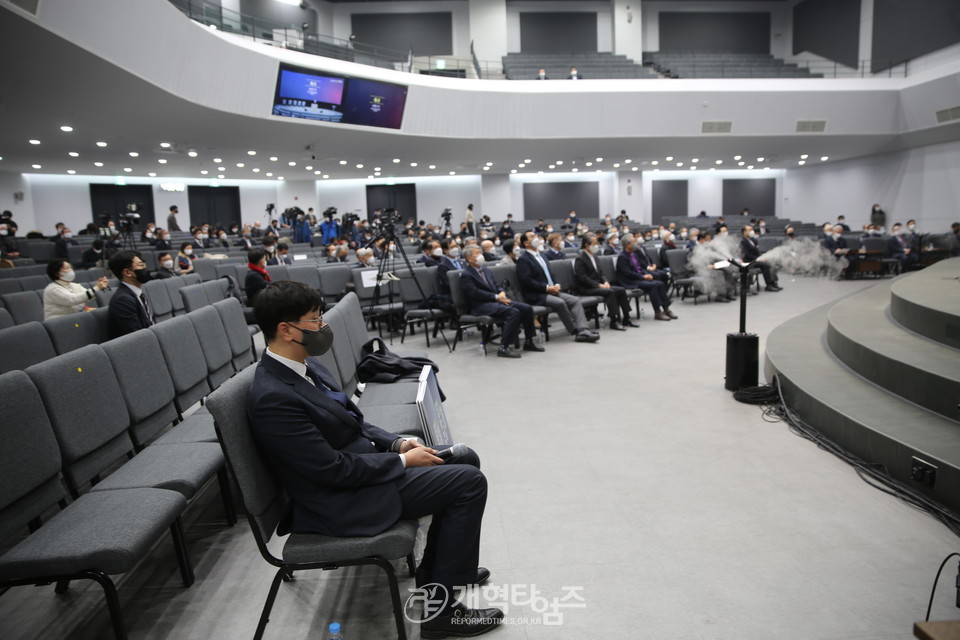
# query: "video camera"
330, 213
446, 215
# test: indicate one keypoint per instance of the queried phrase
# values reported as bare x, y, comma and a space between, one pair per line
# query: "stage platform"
878, 373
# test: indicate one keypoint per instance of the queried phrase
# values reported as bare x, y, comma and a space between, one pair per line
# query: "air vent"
946, 115
811, 126
719, 126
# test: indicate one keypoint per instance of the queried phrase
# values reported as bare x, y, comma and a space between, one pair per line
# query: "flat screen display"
303, 93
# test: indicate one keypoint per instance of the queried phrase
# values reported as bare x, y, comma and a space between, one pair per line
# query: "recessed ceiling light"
377, 169
490, 164
256, 169
71, 171
317, 172
803, 157
343, 162
802, 162
413, 164
370, 177
433, 166
217, 160
309, 167
376, 174
824, 158
540, 173
127, 169
359, 166
152, 174
635, 169
513, 170
695, 160
521, 165
655, 162
34, 141
627, 161
669, 158
396, 160
741, 163
66, 128
221, 168
599, 171
528, 161
679, 164
749, 166
251, 152
588, 164
766, 168
575, 170
325, 176
165, 145
736, 157
713, 168
760, 159
616, 165
73, 154
220, 176
269, 175
453, 173
101, 144
552, 166
240, 165
192, 154
204, 172
134, 154
693, 168
280, 178
98, 164
292, 163
486, 168
599, 159
162, 161
273, 158
719, 162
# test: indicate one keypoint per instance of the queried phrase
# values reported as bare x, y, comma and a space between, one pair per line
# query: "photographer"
330, 228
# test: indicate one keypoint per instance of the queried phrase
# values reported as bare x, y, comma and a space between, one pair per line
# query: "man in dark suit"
541, 75
632, 275
749, 252
432, 254
539, 287
281, 256
574, 74
836, 244
590, 282
489, 299
129, 310
449, 260
347, 477
257, 277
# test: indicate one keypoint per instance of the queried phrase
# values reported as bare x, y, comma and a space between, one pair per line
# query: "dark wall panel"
402, 197
428, 34
291, 16
557, 199
112, 199
668, 198
828, 28
220, 206
732, 32
561, 32
760, 196
905, 29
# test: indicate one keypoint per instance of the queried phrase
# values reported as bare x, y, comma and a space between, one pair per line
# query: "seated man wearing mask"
590, 282
346, 477
450, 259
539, 287
431, 253
129, 309
554, 247
165, 267
487, 298
632, 275
750, 252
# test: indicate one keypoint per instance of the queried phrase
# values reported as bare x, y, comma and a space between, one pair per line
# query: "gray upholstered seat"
278, 272
173, 286
214, 343
6, 320
235, 325
266, 503
23, 345
24, 306
307, 274
194, 296
465, 317
158, 297
185, 360
75, 330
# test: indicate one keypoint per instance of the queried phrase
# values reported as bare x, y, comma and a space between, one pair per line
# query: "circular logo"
431, 597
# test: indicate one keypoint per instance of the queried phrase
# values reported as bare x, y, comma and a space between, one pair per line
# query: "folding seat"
158, 297
24, 306
10, 285
333, 282
6, 320
185, 360
214, 343
24, 345
278, 272
173, 286
562, 271
241, 346
194, 296
206, 268
307, 274
75, 330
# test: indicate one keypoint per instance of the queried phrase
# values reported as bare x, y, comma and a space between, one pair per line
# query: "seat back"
215, 344
875, 245
24, 345
677, 261
91, 437
562, 271
139, 365
29, 458
307, 274
334, 280
173, 286
342, 349
75, 330
767, 242
194, 296
456, 293
278, 272
608, 267
218, 289
34, 283
262, 496
10, 285
103, 297
355, 324
6, 320
185, 360
505, 276
205, 268
238, 336
158, 297
24, 306
190, 278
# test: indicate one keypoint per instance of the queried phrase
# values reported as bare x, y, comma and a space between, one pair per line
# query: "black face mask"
142, 275
316, 342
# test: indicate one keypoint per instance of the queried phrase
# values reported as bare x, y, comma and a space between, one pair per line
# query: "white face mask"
569, 238
594, 249
3, 232
911, 226
148, 235
68, 235
537, 244
437, 252
69, 276
480, 260
167, 264
369, 261
752, 234
188, 252
516, 251
455, 252
683, 234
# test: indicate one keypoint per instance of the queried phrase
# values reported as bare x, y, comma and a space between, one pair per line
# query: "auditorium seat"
214, 343
185, 360
24, 306
6, 320
75, 330
10, 285
158, 297
24, 345
235, 326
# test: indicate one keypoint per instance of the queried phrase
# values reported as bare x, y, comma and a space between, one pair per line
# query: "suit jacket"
627, 274
126, 314
430, 261
480, 293
585, 275
337, 469
896, 247
244, 242
172, 223
446, 264
254, 284
553, 254
749, 250
533, 282
277, 260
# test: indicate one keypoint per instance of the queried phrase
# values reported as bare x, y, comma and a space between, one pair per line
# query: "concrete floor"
622, 468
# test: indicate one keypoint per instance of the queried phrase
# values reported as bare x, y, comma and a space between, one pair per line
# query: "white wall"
488, 29
434, 194
297, 193
602, 9
627, 28
496, 197
923, 184
629, 196
12, 184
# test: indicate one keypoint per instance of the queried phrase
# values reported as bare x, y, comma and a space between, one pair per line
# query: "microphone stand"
743, 349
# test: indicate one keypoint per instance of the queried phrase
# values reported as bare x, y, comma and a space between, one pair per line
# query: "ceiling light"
679, 164
574, 170
98, 164
693, 168
599, 159
669, 158
695, 160
192, 153
256, 169
433, 166
599, 171
370, 177
325, 176
292, 163
221, 168
413, 164
71, 171
719, 162
486, 168
162, 161
73, 154
528, 161
741, 163
803, 157
34, 142
766, 168
616, 165
317, 172
359, 166
635, 169
552, 166
127, 169
396, 160
656, 170
749, 166
377, 169
490, 164
220, 176
309, 167
101, 144
540, 173
269, 175
802, 162
713, 168
204, 172
251, 152
134, 154
240, 165
760, 159
217, 160
152, 174
66, 128
521, 165
343, 162
165, 145
824, 158
588, 164
655, 162
273, 158
453, 173
513, 170
736, 157
627, 161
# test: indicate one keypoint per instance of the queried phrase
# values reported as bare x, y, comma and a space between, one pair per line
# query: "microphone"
456, 450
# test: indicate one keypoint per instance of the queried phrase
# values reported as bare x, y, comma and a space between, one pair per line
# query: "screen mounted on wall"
313, 95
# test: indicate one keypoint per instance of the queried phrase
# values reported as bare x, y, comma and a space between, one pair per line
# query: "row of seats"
694, 64
525, 66
38, 282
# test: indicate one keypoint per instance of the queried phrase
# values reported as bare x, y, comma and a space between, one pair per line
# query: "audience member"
512, 251
365, 259
901, 247
632, 275
668, 244
165, 267
282, 255
538, 286
554, 247
92, 256
163, 241
541, 75
488, 251
63, 296
750, 252
63, 242
505, 231
257, 277
185, 258
842, 223
878, 217
590, 282
449, 260
172, 219
9, 247
129, 309
836, 244
488, 298
574, 74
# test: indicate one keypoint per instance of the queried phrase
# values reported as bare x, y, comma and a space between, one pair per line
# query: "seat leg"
394, 596
180, 548
268, 605
226, 493
411, 565
113, 602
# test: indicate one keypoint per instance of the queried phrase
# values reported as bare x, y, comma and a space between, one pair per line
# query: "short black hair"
97, 244
54, 267
255, 255
586, 240
283, 246
447, 243
161, 256
172, 207
523, 238
284, 301
508, 245
184, 245
120, 261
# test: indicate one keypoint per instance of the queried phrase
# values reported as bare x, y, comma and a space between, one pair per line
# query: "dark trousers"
615, 298
657, 292
455, 494
768, 277
513, 315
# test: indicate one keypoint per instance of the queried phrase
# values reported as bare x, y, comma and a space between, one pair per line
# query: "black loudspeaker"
743, 360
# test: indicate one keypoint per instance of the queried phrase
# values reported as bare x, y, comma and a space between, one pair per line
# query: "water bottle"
335, 631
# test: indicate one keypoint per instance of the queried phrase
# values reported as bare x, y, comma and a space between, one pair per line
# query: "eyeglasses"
316, 321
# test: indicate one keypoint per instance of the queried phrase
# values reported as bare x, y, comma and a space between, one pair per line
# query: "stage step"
930, 305
863, 418
866, 338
